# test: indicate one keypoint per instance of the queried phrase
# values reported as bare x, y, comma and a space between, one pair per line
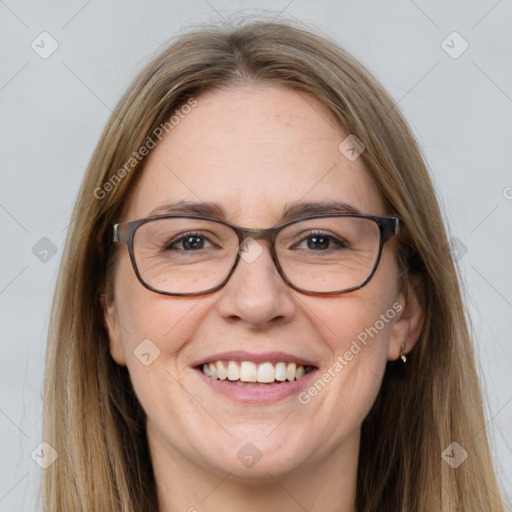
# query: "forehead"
253, 150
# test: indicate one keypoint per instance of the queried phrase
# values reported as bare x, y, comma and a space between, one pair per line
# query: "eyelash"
184, 236
313, 233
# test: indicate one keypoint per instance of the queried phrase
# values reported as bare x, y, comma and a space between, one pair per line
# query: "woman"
257, 308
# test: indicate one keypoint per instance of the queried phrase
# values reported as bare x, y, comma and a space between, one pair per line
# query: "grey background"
53, 110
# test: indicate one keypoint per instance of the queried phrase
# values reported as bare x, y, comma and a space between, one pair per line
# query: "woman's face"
254, 151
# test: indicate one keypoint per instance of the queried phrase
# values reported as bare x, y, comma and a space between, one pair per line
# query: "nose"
256, 294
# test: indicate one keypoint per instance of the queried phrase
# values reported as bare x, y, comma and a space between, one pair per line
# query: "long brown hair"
91, 414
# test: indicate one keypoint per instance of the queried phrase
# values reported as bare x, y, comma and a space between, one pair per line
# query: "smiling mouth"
248, 373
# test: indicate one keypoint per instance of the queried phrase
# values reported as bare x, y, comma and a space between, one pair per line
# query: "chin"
259, 459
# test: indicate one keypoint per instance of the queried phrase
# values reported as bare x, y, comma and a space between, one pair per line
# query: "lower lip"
258, 394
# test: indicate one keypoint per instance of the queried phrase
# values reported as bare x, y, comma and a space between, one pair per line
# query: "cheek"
359, 319
151, 322
153, 329
365, 314
356, 329
347, 386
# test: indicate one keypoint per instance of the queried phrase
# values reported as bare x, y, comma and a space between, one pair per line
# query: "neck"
184, 485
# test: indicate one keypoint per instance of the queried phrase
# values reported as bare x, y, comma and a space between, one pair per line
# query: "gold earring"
402, 355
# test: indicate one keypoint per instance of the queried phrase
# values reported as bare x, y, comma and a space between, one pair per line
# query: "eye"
320, 241
189, 242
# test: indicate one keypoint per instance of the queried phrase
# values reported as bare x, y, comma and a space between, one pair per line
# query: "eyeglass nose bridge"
267, 234
245, 235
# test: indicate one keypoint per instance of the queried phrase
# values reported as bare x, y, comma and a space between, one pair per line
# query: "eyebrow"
290, 211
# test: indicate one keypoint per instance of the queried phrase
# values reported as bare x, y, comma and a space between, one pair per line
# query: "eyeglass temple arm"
391, 226
114, 234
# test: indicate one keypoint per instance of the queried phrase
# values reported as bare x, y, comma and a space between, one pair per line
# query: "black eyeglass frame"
388, 227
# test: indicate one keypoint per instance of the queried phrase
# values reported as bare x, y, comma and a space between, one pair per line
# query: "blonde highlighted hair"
91, 414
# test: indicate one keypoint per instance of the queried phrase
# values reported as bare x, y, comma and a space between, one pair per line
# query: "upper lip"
263, 357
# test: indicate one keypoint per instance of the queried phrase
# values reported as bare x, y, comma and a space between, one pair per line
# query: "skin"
253, 149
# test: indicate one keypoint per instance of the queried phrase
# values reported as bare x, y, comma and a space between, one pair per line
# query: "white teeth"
290, 371
300, 372
281, 371
213, 370
247, 371
233, 371
266, 372
222, 373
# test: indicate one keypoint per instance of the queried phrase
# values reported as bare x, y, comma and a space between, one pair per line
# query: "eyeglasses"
322, 254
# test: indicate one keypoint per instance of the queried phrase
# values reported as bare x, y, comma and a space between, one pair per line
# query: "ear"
409, 319
113, 330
